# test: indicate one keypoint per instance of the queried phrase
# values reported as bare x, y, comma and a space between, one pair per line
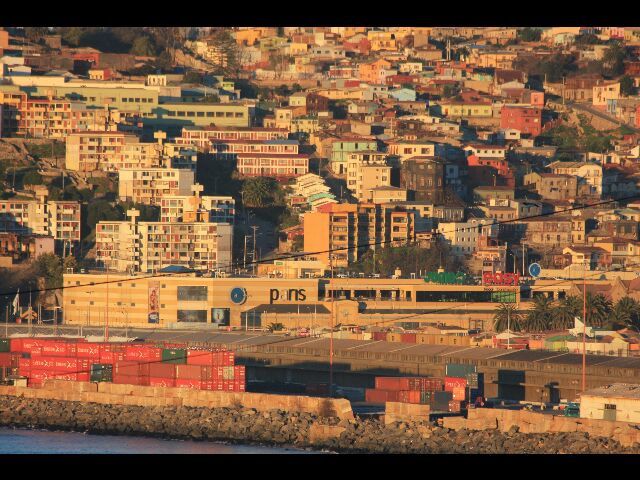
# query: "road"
600, 114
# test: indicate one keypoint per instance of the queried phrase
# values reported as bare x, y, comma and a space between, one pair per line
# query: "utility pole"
244, 263
331, 332
584, 327
254, 227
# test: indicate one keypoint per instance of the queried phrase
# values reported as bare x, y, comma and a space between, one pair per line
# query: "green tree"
507, 315
627, 86
529, 34
193, 77
164, 61
143, 46
540, 316
49, 267
32, 178
36, 34
613, 60
256, 192
565, 312
625, 313
598, 309
275, 327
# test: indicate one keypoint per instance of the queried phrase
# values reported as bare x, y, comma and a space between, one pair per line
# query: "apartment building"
366, 170
407, 149
343, 147
57, 118
464, 237
201, 137
369, 179
148, 186
229, 149
589, 175
177, 115
196, 208
527, 120
552, 186
424, 178
272, 165
113, 151
58, 219
349, 230
132, 246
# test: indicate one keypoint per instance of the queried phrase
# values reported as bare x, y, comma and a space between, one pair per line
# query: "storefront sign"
447, 278
501, 279
287, 295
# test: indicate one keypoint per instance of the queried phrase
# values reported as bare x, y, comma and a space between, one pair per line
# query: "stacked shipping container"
133, 364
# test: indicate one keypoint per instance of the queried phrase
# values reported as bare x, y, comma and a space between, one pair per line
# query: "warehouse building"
617, 402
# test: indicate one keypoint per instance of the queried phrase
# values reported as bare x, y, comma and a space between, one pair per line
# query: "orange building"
350, 230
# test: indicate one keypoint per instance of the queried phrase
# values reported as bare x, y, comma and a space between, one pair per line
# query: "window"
192, 293
192, 316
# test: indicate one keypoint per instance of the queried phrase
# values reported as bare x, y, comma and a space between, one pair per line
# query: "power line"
338, 249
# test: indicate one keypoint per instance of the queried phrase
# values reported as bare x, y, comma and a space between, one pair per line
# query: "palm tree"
275, 327
565, 312
539, 318
506, 315
625, 313
598, 310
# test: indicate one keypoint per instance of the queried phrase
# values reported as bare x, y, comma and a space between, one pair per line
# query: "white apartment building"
131, 246
58, 219
149, 185
463, 236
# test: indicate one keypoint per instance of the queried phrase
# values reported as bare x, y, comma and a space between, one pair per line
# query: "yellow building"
188, 300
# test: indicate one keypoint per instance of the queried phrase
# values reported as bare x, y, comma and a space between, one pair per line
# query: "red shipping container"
187, 383
142, 353
229, 358
200, 357
162, 370
409, 396
228, 385
239, 372
238, 386
451, 382
35, 352
162, 382
212, 385
189, 372
5, 359
24, 363
459, 393
379, 336
454, 406
59, 349
392, 383
88, 350
61, 364
132, 368
380, 396
130, 379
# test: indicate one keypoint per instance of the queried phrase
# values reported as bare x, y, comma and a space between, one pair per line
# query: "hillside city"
458, 186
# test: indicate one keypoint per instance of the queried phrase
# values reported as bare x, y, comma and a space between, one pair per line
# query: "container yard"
148, 364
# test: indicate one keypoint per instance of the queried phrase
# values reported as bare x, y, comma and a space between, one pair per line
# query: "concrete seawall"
171, 413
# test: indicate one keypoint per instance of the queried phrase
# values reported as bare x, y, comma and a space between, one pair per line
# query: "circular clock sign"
535, 269
238, 295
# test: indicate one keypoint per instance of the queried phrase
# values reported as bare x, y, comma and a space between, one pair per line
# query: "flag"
15, 303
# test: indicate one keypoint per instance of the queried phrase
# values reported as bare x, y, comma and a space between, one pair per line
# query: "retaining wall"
117, 394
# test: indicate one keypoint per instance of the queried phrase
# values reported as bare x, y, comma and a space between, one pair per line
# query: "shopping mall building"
189, 300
